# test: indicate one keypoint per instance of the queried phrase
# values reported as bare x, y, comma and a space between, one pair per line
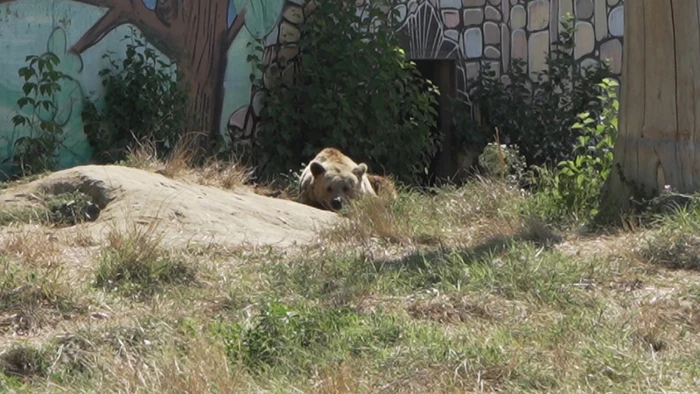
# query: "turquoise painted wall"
80, 33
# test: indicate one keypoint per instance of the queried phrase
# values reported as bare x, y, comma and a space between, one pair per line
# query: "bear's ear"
317, 168
360, 170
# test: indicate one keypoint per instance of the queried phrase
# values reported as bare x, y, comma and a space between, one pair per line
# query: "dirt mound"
182, 211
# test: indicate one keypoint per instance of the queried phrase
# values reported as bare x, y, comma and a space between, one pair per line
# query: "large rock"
180, 211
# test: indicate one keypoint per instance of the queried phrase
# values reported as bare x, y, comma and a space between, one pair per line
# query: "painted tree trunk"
193, 34
659, 119
203, 58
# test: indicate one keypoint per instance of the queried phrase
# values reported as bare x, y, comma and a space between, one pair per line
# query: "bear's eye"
346, 189
328, 189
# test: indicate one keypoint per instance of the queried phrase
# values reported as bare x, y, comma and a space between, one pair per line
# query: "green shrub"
573, 189
145, 100
538, 115
503, 162
354, 90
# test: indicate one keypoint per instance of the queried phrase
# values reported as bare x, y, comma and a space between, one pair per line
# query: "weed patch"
134, 264
455, 215
676, 243
303, 340
31, 298
24, 362
60, 210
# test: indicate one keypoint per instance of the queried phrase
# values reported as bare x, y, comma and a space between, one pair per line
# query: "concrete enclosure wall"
208, 39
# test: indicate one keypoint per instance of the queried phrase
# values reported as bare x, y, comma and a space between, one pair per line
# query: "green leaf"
28, 87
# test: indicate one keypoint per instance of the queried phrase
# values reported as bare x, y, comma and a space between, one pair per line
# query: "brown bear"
332, 179
382, 185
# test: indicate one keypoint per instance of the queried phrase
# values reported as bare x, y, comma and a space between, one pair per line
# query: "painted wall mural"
207, 40
491, 32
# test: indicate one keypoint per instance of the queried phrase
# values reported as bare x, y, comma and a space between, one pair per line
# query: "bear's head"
334, 185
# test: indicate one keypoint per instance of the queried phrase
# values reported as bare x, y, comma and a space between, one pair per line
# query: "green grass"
456, 291
51, 210
31, 298
135, 265
23, 362
677, 243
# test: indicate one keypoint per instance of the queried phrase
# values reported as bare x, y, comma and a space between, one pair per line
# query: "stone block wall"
492, 32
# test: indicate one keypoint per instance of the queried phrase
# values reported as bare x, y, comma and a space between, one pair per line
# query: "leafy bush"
37, 152
504, 162
538, 115
574, 187
354, 90
145, 100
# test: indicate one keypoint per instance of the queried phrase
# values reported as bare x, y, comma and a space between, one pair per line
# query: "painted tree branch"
235, 28
122, 12
112, 19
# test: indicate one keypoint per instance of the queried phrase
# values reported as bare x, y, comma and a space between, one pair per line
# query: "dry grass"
23, 361
676, 245
478, 212
32, 247
427, 293
228, 174
134, 263
31, 299
182, 164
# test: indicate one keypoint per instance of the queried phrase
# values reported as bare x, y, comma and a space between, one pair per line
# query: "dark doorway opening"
443, 74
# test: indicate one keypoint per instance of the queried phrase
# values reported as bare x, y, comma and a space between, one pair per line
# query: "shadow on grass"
533, 232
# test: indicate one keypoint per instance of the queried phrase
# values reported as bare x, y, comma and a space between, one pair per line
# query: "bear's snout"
337, 203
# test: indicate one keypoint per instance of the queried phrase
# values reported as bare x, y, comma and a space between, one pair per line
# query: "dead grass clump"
228, 174
338, 379
201, 368
412, 218
32, 298
24, 362
675, 251
183, 164
372, 217
533, 230
32, 248
76, 353
481, 199
135, 264
83, 238
450, 309
658, 324
675, 244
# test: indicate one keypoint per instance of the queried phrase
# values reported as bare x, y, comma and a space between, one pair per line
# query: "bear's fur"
382, 185
332, 179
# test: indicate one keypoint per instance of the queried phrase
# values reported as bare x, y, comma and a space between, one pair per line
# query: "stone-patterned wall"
492, 32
